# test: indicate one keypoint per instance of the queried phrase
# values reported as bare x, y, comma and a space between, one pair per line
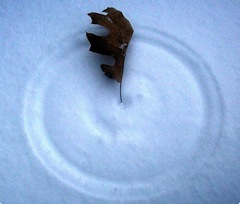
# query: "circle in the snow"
152, 143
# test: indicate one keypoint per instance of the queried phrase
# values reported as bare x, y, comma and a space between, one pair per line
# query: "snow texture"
66, 138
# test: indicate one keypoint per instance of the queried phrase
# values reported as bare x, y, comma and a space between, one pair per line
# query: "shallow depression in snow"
94, 143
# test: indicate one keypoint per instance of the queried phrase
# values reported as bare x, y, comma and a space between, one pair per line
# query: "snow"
66, 138
123, 45
110, 20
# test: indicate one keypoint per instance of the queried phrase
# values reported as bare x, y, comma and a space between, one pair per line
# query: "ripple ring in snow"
43, 138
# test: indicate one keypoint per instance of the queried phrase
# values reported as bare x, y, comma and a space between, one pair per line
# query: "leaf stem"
121, 92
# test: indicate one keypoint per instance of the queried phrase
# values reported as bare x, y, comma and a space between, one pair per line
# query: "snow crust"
66, 138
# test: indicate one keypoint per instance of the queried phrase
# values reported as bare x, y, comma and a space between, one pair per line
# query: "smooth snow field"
66, 138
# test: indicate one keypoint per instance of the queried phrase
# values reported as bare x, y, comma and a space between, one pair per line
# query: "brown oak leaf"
115, 44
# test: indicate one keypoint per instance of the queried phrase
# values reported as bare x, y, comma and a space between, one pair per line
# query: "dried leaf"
115, 44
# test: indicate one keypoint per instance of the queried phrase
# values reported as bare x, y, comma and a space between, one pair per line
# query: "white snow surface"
66, 138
